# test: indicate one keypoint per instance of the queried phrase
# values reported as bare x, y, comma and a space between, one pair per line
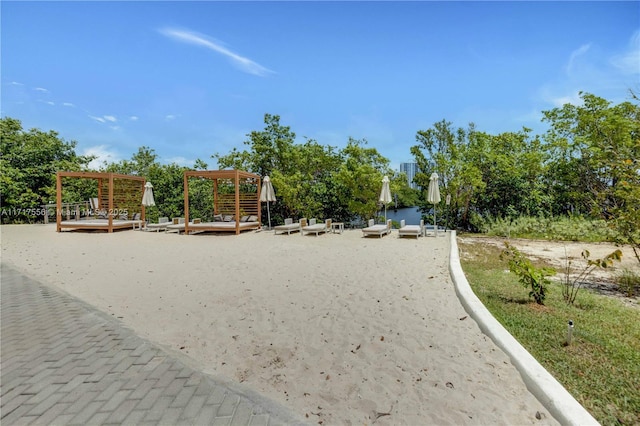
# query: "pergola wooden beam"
215, 175
99, 177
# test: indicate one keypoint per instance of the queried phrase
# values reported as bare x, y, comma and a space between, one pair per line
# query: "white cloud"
575, 55
40, 89
133, 118
180, 161
68, 104
104, 118
170, 117
103, 154
15, 83
245, 64
629, 62
595, 71
556, 99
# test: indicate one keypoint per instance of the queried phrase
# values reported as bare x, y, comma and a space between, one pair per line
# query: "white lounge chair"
377, 230
288, 227
162, 224
411, 230
176, 226
316, 228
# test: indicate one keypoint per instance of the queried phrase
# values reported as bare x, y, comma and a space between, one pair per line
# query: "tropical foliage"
587, 165
28, 164
313, 180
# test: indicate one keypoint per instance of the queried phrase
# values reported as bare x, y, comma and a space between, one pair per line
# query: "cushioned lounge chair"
162, 224
176, 226
316, 228
288, 227
377, 230
411, 230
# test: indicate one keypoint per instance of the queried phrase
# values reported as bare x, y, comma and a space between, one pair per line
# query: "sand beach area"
343, 330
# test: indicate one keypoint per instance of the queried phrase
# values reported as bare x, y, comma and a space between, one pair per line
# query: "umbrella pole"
268, 214
435, 223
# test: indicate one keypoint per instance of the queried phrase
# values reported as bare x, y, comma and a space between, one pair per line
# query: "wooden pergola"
117, 194
244, 201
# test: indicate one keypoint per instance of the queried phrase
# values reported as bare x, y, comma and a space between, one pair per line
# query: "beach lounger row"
304, 227
197, 225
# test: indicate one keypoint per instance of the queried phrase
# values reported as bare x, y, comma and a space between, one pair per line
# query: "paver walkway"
64, 362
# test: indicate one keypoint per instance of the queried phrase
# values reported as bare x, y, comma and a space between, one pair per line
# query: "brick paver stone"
65, 362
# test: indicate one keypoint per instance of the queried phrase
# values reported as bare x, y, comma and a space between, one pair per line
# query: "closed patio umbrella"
385, 195
267, 194
433, 197
147, 197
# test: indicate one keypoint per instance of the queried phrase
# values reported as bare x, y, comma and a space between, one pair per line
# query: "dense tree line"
586, 164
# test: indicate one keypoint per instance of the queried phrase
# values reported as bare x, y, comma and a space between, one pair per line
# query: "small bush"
528, 275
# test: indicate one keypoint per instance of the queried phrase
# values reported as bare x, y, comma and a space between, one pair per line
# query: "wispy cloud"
133, 118
589, 68
170, 117
104, 118
40, 89
103, 155
245, 64
68, 104
575, 55
180, 161
629, 62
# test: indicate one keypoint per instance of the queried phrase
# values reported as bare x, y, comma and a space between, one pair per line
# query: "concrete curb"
560, 403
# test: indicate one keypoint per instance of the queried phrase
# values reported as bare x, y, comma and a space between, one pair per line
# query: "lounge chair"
411, 230
176, 226
288, 227
162, 224
377, 230
316, 228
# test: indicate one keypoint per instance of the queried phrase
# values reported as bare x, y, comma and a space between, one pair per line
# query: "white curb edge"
560, 403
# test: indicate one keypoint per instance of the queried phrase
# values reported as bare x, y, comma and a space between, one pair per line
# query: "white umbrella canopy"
267, 193
147, 197
385, 195
433, 197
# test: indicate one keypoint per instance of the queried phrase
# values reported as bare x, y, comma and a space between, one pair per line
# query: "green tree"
486, 176
450, 153
359, 178
512, 169
597, 150
29, 161
270, 149
168, 185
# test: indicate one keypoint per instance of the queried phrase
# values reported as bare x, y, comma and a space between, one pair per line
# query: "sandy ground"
339, 328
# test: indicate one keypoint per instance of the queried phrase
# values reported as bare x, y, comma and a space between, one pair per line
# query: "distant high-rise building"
410, 169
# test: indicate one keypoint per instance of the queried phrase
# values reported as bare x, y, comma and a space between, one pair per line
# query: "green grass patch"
601, 367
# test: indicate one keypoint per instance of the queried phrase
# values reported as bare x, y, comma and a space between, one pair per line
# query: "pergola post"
186, 204
58, 202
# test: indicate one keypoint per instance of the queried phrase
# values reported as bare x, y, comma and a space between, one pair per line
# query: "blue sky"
190, 79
